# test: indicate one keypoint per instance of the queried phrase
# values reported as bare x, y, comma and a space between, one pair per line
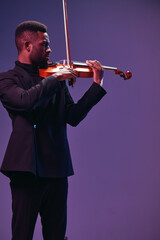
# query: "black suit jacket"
39, 110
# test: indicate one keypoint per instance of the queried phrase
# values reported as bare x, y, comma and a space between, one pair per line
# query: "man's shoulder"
10, 74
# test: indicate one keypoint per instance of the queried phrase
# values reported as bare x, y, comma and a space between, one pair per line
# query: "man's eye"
45, 44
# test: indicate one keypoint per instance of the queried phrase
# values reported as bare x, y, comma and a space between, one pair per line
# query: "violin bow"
66, 30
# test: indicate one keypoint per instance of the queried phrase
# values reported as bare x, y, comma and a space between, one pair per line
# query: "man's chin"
43, 64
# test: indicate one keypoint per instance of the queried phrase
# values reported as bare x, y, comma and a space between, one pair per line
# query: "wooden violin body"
83, 72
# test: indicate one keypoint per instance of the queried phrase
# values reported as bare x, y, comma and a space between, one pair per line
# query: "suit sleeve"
76, 112
16, 98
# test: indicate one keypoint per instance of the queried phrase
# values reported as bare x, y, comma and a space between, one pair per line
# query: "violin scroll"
125, 76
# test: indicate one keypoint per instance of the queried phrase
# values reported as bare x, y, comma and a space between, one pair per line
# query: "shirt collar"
28, 67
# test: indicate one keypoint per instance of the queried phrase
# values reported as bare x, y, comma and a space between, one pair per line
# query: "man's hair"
25, 31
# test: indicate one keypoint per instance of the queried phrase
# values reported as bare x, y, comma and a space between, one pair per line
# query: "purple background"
115, 193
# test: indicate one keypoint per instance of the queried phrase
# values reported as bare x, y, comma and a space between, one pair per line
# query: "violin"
82, 69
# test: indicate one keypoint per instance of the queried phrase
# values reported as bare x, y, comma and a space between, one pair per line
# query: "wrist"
98, 81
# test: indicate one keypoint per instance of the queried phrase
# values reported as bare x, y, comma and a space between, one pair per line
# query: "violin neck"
80, 64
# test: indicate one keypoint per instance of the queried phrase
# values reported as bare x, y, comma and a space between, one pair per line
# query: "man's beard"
43, 64
39, 61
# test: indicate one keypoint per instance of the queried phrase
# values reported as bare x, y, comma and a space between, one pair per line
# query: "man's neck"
24, 59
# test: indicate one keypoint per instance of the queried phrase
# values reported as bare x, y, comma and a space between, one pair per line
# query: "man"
37, 159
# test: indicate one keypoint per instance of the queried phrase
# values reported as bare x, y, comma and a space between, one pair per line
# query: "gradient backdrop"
115, 193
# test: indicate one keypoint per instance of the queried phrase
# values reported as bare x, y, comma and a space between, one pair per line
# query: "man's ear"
28, 46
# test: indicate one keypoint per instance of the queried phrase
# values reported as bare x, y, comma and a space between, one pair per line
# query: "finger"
74, 75
73, 72
95, 64
68, 71
89, 63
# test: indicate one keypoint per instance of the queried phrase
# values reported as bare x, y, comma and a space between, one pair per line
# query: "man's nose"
48, 50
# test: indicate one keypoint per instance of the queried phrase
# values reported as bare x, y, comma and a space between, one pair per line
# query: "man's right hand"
65, 73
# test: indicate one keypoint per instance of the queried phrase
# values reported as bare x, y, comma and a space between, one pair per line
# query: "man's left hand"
97, 70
